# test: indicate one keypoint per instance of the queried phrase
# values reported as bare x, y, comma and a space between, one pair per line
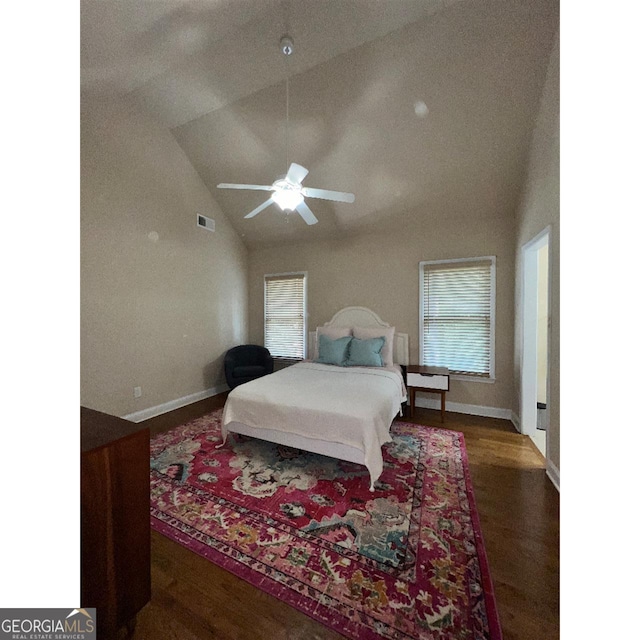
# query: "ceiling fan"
288, 192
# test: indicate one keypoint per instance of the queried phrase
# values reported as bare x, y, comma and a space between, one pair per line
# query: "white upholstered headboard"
363, 317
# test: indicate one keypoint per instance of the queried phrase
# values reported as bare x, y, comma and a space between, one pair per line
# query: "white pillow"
365, 333
333, 333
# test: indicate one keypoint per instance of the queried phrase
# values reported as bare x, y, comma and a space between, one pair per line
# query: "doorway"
534, 410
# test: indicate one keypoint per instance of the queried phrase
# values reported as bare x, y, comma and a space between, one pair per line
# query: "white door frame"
528, 372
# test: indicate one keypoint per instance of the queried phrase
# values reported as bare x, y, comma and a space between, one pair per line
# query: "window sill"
472, 379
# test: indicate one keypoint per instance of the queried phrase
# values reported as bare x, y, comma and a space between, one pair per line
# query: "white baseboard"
471, 409
552, 471
554, 474
152, 412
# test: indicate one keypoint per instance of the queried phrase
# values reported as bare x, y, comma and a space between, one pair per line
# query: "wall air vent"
206, 223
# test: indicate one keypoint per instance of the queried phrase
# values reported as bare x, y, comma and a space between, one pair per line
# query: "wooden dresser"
115, 536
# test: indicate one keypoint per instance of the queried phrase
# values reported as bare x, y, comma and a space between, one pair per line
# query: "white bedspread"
350, 405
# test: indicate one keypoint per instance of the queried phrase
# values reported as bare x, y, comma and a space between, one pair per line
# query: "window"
457, 315
285, 306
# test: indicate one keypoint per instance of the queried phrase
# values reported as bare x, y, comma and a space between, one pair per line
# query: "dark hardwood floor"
519, 514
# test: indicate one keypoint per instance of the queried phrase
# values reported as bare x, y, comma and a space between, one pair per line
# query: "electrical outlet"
137, 392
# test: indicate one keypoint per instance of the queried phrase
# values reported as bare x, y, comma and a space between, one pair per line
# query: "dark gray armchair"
245, 363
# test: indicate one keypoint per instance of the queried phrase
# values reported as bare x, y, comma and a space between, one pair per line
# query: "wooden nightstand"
430, 379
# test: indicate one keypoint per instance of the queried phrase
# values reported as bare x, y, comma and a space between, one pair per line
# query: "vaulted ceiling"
421, 108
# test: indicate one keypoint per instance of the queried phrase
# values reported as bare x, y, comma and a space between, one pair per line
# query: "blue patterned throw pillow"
365, 353
333, 351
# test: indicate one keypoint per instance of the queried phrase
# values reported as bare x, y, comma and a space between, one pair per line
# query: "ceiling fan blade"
257, 187
257, 210
336, 196
306, 213
296, 173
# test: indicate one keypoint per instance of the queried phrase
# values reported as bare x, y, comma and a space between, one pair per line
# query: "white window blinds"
284, 315
457, 312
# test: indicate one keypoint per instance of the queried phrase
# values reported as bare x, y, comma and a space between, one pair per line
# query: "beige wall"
162, 300
539, 208
380, 271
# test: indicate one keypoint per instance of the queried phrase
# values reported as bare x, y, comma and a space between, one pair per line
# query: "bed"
341, 412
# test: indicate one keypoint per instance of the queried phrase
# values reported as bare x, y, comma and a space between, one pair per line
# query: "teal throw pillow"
366, 353
333, 351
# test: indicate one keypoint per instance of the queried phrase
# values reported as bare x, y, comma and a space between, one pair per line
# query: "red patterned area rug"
405, 562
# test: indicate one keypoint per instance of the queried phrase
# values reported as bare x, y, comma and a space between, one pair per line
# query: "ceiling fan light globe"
287, 199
